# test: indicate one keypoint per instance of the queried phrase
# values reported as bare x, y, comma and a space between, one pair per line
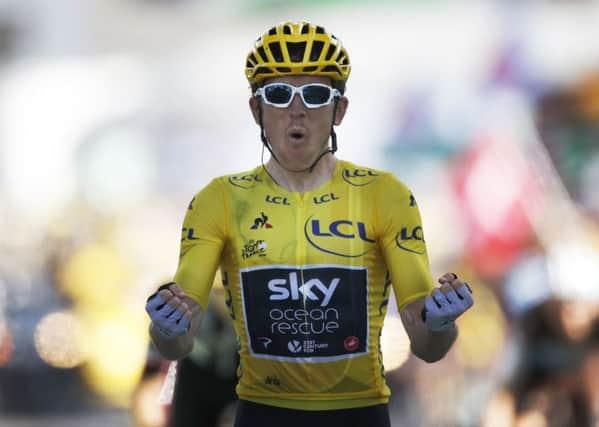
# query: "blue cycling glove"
169, 319
443, 307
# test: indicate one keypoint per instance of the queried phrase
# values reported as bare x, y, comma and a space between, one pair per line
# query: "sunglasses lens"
316, 95
277, 94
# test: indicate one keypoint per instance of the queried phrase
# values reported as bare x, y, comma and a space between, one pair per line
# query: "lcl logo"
411, 240
244, 181
342, 228
277, 200
359, 177
188, 234
325, 198
329, 237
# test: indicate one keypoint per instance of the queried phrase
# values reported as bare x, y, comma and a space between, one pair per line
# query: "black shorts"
250, 414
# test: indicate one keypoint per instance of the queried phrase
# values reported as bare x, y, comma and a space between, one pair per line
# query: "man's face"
298, 134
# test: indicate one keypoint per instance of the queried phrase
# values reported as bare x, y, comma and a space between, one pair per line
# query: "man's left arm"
430, 321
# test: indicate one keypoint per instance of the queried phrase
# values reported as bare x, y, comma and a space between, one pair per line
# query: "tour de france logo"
254, 247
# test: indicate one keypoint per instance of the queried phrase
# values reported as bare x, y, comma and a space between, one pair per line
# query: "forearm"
427, 345
432, 346
171, 348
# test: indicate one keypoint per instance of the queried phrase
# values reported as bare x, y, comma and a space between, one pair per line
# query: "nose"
297, 106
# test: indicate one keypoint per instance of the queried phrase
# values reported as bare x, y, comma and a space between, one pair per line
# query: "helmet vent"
262, 54
283, 69
272, 31
252, 58
332, 68
263, 70
330, 52
287, 29
342, 59
310, 69
275, 49
319, 30
305, 29
316, 50
296, 51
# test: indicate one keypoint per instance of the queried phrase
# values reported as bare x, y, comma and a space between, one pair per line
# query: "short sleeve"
202, 240
402, 241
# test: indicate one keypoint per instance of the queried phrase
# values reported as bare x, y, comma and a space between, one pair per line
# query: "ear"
341, 109
255, 109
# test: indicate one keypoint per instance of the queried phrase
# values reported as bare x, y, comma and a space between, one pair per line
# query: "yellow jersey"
307, 278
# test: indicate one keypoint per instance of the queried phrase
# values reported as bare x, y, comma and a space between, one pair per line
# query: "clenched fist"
446, 303
170, 314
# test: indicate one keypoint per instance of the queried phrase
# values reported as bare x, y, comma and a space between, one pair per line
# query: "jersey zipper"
301, 255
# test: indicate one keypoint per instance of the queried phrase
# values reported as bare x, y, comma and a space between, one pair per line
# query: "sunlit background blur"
113, 113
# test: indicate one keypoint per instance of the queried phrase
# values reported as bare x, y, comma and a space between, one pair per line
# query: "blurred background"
114, 113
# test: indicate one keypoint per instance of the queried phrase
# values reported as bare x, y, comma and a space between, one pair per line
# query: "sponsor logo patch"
244, 181
412, 200
277, 200
411, 239
340, 237
359, 177
261, 222
188, 234
351, 343
310, 314
325, 198
254, 247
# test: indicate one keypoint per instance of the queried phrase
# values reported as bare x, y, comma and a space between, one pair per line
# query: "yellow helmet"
293, 48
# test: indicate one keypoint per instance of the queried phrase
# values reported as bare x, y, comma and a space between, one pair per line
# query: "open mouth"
296, 135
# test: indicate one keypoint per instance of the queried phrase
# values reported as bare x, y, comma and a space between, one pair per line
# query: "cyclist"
309, 247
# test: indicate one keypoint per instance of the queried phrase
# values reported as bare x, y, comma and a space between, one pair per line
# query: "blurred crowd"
505, 169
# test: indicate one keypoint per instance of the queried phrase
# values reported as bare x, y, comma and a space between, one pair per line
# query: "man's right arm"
175, 315
176, 319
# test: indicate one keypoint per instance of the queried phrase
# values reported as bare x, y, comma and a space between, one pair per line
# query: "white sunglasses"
313, 95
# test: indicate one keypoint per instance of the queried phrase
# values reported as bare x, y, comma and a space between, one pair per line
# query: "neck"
305, 180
